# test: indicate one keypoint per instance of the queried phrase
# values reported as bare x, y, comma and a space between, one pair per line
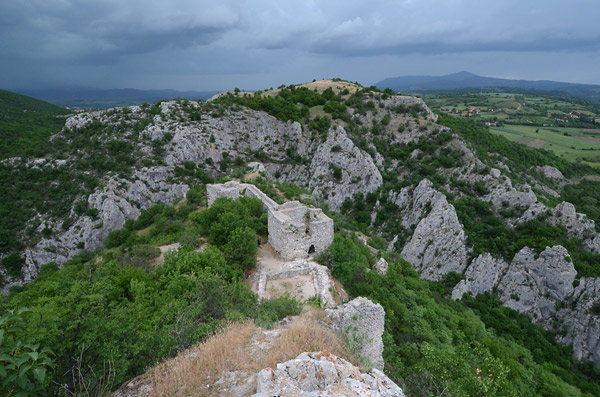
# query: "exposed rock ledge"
323, 374
542, 287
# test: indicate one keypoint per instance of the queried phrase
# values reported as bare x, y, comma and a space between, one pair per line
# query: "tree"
241, 248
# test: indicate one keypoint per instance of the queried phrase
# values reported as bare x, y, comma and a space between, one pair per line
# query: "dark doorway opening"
311, 250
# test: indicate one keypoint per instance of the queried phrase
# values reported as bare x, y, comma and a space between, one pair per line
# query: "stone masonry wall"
295, 230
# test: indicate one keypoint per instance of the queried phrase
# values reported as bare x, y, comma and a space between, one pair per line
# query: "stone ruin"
295, 230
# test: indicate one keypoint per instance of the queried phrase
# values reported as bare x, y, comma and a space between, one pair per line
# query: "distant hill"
462, 80
98, 99
26, 123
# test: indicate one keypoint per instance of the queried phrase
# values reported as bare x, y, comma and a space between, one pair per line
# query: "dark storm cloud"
218, 44
359, 28
103, 29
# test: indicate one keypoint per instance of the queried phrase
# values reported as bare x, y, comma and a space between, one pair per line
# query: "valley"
568, 128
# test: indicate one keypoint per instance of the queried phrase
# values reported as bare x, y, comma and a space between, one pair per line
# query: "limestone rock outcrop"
482, 275
551, 173
381, 266
363, 321
534, 285
580, 320
438, 244
115, 202
323, 374
359, 174
542, 286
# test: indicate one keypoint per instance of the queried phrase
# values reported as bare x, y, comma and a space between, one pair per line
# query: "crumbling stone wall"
235, 190
295, 230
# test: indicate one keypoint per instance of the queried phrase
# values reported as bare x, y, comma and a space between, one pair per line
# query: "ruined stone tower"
295, 230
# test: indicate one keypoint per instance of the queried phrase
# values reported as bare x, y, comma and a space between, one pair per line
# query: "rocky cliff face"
234, 134
438, 244
118, 200
362, 321
543, 287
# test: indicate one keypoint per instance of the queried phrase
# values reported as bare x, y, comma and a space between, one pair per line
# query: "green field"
573, 144
518, 109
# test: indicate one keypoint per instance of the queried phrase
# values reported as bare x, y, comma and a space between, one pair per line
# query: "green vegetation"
51, 189
521, 109
520, 158
585, 195
566, 127
107, 320
433, 345
27, 124
572, 144
24, 366
488, 233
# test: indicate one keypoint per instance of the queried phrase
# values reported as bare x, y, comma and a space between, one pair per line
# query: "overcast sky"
221, 44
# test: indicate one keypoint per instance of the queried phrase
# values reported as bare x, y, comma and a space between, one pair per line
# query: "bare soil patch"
590, 131
588, 139
531, 142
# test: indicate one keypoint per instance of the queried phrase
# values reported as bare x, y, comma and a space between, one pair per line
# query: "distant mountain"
463, 80
92, 98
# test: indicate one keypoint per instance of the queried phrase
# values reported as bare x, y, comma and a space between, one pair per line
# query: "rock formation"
542, 286
362, 321
438, 244
323, 374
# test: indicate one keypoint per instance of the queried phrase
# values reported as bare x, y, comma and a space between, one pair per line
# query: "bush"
272, 310
24, 366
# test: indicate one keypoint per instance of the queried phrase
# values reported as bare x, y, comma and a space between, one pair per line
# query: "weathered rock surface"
542, 286
534, 285
116, 202
363, 321
551, 173
359, 172
323, 374
580, 320
578, 225
381, 266
482, 275
438, 244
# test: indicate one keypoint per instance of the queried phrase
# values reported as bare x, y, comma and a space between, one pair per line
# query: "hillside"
462, 80
456, 211
26, 124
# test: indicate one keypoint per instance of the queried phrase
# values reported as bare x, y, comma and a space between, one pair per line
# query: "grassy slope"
26, 124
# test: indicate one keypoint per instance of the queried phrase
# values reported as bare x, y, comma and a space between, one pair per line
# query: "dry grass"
243, 350
305, 336
187, 373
